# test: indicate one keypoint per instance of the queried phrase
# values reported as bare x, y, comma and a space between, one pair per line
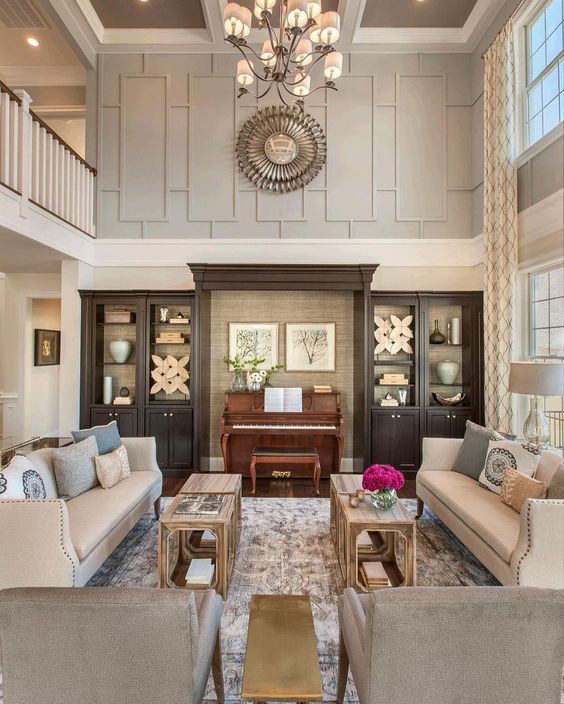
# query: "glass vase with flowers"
382, 481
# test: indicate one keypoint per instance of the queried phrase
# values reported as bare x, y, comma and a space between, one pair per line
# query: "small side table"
285, 455
216, 483
176, 550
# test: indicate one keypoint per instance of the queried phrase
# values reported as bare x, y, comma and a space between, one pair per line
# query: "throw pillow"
112, 467
517, 487
505, 454
107, 436
472, 454
556, 486
75, 469
21, 479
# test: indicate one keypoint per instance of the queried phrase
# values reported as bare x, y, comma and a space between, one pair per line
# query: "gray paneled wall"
399, 163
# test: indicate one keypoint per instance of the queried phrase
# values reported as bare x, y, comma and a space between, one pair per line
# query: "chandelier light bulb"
313, 9
244, 73
333, 65
247, 18
330, 27
233, 19
315, 32
302, 84
297, 13
303, 52
267, 54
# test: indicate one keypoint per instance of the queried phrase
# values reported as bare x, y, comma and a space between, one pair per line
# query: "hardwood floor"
280, 488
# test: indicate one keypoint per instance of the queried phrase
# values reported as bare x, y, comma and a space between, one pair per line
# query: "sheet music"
273, 400
292, 400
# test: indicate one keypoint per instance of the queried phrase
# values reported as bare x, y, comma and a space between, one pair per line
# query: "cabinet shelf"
172, 325
115, 364
394, 363
399, 386
438, 383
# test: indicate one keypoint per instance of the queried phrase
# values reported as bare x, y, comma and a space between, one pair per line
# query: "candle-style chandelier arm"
290, 52
271, 34
256, 96
306, 70
328, 85
280, 93
249, 64
317, 52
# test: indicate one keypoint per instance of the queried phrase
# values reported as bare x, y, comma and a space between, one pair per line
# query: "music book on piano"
282, 400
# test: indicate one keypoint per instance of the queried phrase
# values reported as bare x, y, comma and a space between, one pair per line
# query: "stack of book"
200, 573
322, 388
394, 380
124, 401
208, 540
374, 575
387, 402
170, 338
179, 321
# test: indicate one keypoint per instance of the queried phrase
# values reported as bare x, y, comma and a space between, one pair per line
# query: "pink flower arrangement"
382, 476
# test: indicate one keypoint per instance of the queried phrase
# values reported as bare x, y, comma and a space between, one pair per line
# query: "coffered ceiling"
150, 14
416, 13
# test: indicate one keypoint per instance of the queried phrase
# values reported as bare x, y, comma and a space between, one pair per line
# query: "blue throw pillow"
107, 437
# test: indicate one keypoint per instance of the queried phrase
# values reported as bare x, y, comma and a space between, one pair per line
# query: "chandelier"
305, 37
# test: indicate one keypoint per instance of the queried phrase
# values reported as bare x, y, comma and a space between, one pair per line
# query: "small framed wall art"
47, 348
310, 347
249, 340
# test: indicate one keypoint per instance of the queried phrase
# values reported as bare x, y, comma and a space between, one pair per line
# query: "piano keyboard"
280, 426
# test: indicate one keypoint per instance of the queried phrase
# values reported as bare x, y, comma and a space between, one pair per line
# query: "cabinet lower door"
180, 438
438, 423
383, 443
458, 418
127, 422
156, 425
406, 440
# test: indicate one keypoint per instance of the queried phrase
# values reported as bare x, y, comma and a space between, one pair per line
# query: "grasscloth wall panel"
399, 158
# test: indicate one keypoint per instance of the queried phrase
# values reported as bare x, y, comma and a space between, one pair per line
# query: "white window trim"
520, 23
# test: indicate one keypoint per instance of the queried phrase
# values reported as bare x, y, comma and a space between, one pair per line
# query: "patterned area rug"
285, 548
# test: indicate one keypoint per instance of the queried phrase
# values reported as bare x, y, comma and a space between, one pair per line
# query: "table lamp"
536, 380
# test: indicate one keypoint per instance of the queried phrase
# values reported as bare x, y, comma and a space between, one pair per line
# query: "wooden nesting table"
281, 661
392, 533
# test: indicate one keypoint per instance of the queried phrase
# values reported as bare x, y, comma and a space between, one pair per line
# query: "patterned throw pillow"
517, 488
75, 471
505, 454
112, 467
22, 480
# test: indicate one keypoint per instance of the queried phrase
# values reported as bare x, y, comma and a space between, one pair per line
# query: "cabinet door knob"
398, 416
170, 414
110, 415
165, 415
453, 415
393, 415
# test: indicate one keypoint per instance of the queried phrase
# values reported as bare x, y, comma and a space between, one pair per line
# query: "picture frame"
47, 348
310, 347
254, 340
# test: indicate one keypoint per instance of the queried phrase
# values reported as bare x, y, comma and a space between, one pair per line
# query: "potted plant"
382, 482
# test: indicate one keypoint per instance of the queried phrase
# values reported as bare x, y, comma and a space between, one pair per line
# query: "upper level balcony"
40, 169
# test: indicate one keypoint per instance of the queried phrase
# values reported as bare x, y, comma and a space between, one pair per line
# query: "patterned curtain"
500, 226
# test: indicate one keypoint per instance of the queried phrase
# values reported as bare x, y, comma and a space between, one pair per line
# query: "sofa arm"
439, 453
35, 544
538, 558
142, 454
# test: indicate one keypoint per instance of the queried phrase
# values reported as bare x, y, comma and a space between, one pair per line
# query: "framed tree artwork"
47, 347
310, 347
254, 340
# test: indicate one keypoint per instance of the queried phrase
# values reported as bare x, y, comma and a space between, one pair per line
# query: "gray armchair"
463, 645
109, 645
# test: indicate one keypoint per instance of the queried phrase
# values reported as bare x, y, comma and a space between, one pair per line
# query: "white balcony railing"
39, 165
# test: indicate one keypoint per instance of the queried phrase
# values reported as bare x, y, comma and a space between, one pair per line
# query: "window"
545, 70
547, 313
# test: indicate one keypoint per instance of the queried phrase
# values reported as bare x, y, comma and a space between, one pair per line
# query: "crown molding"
43, 75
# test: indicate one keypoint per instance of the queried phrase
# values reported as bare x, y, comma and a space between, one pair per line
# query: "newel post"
24, 150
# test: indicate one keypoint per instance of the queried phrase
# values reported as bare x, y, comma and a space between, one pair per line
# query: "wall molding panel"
395, 118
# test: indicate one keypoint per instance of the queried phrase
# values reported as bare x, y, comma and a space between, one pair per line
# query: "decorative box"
118, 316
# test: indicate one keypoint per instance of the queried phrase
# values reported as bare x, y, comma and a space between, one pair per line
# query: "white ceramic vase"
447, 371
107, 390
120, 350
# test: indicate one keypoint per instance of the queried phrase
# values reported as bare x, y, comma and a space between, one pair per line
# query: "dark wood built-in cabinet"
168, 415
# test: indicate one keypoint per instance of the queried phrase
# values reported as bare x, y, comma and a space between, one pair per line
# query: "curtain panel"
500, 226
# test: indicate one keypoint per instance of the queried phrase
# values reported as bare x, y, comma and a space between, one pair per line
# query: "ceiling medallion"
305, 37
281, 148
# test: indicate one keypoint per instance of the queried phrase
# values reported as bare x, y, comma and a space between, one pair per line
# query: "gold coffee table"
281, 662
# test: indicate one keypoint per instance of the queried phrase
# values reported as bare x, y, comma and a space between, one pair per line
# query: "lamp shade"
247, 17
534, 379
303, 52
301, 86
330, 27
244, 72
333, 65
267, 54
297, 13
315, 33
233, 19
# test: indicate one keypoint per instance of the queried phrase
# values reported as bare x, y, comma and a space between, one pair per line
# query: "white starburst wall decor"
170, 374
393, 334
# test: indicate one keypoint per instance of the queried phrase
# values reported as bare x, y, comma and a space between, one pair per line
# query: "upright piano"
245, 425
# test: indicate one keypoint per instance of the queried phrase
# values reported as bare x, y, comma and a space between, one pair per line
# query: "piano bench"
285, 455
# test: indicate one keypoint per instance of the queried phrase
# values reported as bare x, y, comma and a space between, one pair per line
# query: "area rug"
285, 548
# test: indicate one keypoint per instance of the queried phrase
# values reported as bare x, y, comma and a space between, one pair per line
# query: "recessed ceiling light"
32, 41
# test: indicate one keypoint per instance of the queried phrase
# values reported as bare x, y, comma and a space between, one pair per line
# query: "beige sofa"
525, 549
53, 543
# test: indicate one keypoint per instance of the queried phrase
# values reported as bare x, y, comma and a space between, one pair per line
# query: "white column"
74, 276
24, 134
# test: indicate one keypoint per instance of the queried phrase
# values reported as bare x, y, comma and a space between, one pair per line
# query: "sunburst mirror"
281, 148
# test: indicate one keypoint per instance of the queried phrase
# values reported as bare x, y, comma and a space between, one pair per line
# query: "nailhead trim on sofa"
529, 536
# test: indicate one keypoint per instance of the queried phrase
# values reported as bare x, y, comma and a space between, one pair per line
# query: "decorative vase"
120, 350
447, 371
253, 386
455, 336
238, 382
384, 499
437, 337
107, 393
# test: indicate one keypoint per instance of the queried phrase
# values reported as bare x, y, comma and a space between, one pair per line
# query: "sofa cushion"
550, 461
112, 467
472, 454
21, 479
107, 436
503, 454
97, 512
74, 468
481, 510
